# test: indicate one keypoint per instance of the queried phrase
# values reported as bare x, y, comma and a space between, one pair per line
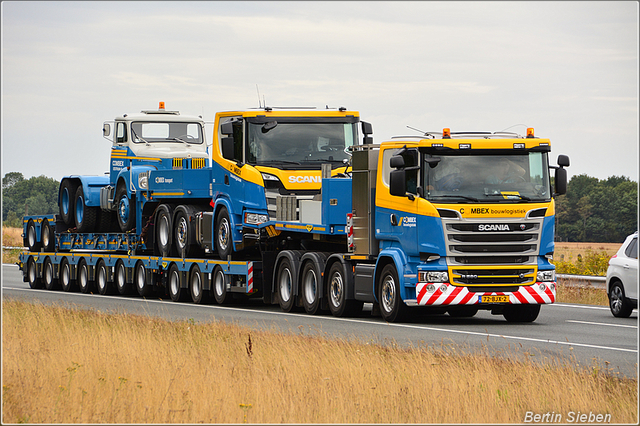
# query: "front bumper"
445, 294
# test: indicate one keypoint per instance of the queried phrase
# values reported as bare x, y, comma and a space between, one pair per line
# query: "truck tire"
223, 235
286, 282
82, 274
184, 234
66, 282
521, 313
123, 287
219, 286
125, 209
106, 221
31, 237
339, 305
32, 274
164, 230
84, 216
392, 308
311, 284
102, 278
48, 275
199, 295
618, 303
67, 194
176, 292
48, 237
140, 280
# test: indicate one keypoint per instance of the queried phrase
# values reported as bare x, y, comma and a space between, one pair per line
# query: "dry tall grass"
62, 366
11, 237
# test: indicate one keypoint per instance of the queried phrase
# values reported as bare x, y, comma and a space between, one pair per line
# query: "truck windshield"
153, 132
486, 178
299, 143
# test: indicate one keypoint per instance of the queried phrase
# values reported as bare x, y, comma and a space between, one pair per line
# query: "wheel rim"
285, 285
48, 274
120, 278
140, 278
195, 285
45, 234
181, 232
65, 201
310, 286
102, 278
82, 276
32, 235
219, 283
174, 283
79, 209
335, 289
123, 209
223, 233
616, 299
164, 231
32, 272
65, 275
388, 293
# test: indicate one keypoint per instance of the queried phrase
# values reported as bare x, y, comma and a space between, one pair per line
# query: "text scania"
305, 179
494, 228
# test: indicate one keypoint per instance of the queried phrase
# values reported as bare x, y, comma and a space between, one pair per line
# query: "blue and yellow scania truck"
448, 222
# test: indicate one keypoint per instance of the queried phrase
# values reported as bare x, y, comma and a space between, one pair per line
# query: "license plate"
493, 299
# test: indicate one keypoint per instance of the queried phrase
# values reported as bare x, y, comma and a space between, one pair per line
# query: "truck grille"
493, 252
189, 163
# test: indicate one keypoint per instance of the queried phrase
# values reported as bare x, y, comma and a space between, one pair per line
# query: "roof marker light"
519, 146
530, 132
464, 146
446, 133
161, 106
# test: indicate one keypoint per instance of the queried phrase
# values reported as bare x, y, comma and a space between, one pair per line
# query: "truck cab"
151, 140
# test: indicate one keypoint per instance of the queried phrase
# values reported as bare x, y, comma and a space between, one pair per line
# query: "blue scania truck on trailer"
448, 222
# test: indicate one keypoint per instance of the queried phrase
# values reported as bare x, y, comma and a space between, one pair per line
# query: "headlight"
255, 218
143, 180
547, 275
433, 277
267, 176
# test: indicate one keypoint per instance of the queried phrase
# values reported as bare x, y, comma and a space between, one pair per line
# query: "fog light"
431, 288
543, 287
443, 288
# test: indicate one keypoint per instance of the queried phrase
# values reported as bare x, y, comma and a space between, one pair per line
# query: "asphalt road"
573, 334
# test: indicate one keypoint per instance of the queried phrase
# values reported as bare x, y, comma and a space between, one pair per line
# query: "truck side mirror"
227, 148
367, 129
106, 129
397, 182
561, 180
227, 128
563, 160
270, 125
397, 162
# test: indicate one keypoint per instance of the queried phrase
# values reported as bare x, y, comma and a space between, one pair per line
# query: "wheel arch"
294, 259
319, 259
396, 258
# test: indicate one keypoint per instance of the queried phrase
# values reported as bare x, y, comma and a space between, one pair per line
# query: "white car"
622, 278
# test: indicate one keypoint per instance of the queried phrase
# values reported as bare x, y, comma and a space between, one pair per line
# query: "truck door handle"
226, 179
394, 219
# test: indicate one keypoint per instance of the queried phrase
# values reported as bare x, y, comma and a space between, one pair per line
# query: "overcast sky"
568, 69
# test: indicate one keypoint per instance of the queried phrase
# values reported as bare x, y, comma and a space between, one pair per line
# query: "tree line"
593, 210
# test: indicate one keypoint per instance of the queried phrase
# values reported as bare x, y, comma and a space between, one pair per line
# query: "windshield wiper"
466, 197
278, 162
324, 159
508, 196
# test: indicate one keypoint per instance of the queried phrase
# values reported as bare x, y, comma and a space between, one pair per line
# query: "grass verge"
67, 366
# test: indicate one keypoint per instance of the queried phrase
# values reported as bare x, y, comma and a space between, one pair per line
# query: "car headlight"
433, 277
255, 218
547, 275
143, 180
267, 176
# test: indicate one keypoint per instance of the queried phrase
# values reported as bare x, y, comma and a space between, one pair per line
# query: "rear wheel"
32, 274
85, 216
48, 236
286, 282
618, 303
83, 277
31, 239
65, 275
196, 284
220, 286
392, 308
164, 227
102, 278
48, 275
140, 279
339, 305
67, 193
311, 280
125, 209
521, 313
122, 285
176, 291
184, 234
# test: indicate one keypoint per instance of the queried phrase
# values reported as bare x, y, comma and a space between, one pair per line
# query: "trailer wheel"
521, 313
102, 278
196, 284
392, 308
122, 285
337, 293
140, 279
48, 236
125, 209
164, 229
286, 282
311, 280
48, 276
65, 275
67, 193
83, 277
32, 274
223, 235
85, 216
175, 284
31, 238
220, 286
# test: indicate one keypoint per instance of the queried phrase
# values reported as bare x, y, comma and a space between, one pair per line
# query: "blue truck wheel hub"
79, 210
123, 209
65, 201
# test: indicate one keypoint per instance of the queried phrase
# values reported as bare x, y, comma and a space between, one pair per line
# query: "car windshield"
153, 132
298, 143
486, 178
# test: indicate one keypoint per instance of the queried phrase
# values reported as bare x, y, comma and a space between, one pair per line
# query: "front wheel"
618, 303
223, 234
521, 313
125, 209
392, 308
